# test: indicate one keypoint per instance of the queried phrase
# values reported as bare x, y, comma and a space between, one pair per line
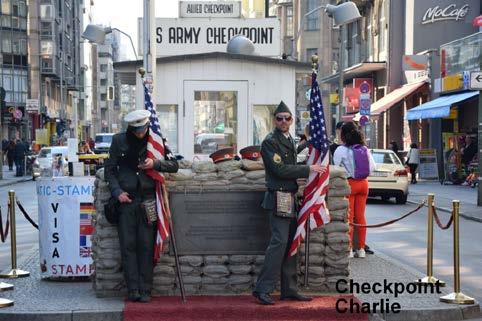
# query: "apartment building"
14, 69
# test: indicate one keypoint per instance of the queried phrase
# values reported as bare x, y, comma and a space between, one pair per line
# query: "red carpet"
236, 308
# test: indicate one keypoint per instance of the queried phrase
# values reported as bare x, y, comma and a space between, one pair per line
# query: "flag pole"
165, 199
314, 67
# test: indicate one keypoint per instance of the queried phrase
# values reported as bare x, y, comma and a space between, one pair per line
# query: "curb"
448, 210
451, 313
3, 184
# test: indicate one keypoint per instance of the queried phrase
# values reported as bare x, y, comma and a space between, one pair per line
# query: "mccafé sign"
450, 12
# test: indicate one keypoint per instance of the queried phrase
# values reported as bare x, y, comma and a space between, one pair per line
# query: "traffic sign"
476, 80
363, 120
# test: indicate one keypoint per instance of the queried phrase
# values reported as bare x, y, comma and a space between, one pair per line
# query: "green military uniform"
136, 235
279, 158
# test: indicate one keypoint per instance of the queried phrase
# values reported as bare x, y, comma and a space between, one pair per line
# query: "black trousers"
277, 261
137, 239
413, 169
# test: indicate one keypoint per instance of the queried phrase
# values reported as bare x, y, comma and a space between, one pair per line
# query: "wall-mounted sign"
209, 9
414, 62
200, 35
450, 12
452, 82
32, 105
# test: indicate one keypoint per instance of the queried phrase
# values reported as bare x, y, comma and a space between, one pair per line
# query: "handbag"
285, 205
111, 210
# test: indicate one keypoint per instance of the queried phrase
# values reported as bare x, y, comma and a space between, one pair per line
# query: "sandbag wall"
223, 274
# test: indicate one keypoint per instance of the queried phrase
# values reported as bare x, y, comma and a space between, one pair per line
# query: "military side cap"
222, 155
137, 118
251, 152
282, 108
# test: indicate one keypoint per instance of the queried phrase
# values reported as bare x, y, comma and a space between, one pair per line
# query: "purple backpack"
362, 163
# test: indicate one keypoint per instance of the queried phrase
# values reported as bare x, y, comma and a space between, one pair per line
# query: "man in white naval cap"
125, 171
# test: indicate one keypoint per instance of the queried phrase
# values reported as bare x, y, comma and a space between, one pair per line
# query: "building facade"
14, 68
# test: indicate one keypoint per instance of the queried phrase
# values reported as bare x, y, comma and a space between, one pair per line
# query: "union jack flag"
155, 150
313, 208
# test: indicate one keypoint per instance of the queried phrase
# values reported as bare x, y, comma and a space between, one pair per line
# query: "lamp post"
97, 33
342, 14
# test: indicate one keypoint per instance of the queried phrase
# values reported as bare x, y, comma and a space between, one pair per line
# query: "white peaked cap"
137, 118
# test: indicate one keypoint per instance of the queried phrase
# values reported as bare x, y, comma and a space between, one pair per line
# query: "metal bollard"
14, 273
430, 278
456, 297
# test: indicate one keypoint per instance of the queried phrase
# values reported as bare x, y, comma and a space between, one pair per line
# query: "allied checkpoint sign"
66, 206
180, 36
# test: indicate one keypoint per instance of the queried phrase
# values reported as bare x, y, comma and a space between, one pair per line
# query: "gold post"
456, 297
14, 273
430, 278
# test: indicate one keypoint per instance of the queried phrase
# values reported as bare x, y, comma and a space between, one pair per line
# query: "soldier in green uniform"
279, 157
128, 182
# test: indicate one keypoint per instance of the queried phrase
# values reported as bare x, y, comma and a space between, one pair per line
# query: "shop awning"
357, 70
440, 107
394, 97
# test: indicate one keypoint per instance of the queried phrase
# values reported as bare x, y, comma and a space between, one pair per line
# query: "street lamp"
342, 14
97, 33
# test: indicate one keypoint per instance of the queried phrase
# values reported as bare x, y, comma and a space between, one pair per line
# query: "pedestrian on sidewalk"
129, 182
358, 162
20, 153
413, 160
279, 158
11, 154
4, 150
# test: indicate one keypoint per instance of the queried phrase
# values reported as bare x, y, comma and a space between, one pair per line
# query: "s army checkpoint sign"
66, 206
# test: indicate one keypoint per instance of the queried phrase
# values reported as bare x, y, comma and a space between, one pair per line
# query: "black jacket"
279, 158
124, 178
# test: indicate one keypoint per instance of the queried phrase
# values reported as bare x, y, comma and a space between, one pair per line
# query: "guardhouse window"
262, 122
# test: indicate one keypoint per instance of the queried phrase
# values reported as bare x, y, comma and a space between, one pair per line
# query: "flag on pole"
313, 208
155, 150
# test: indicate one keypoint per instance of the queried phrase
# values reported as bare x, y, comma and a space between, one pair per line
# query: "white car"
102, 143
390, 179
43, 162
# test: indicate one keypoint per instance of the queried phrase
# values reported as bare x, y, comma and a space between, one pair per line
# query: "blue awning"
438, 108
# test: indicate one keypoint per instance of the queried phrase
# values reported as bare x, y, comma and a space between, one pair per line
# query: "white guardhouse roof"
127, 69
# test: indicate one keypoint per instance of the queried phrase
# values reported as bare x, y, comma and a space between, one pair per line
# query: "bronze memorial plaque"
219, 222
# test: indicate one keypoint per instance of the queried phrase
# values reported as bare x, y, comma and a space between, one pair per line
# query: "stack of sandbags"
328, 246
108, 279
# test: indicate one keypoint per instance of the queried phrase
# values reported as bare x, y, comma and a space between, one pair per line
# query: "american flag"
155, 150
313, 207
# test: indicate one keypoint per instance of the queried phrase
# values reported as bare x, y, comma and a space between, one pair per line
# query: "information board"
428, 168
65, 207
205, 223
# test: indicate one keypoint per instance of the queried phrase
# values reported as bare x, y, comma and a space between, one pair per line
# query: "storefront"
458, 115
214, 100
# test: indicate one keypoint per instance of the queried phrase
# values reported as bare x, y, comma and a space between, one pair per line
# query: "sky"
123, 14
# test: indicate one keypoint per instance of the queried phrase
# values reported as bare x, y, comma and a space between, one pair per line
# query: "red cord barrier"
439, 223
391, 221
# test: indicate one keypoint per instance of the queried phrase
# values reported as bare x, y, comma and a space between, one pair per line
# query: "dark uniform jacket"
123, 176
279, 158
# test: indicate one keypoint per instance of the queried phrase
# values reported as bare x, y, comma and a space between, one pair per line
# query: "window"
103, 82
103, 68
262, 122
6, 7
313, 20
6, 42
5, 21
167, 115
103, 97
310, 52
289, 21
383, 32
215, 121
